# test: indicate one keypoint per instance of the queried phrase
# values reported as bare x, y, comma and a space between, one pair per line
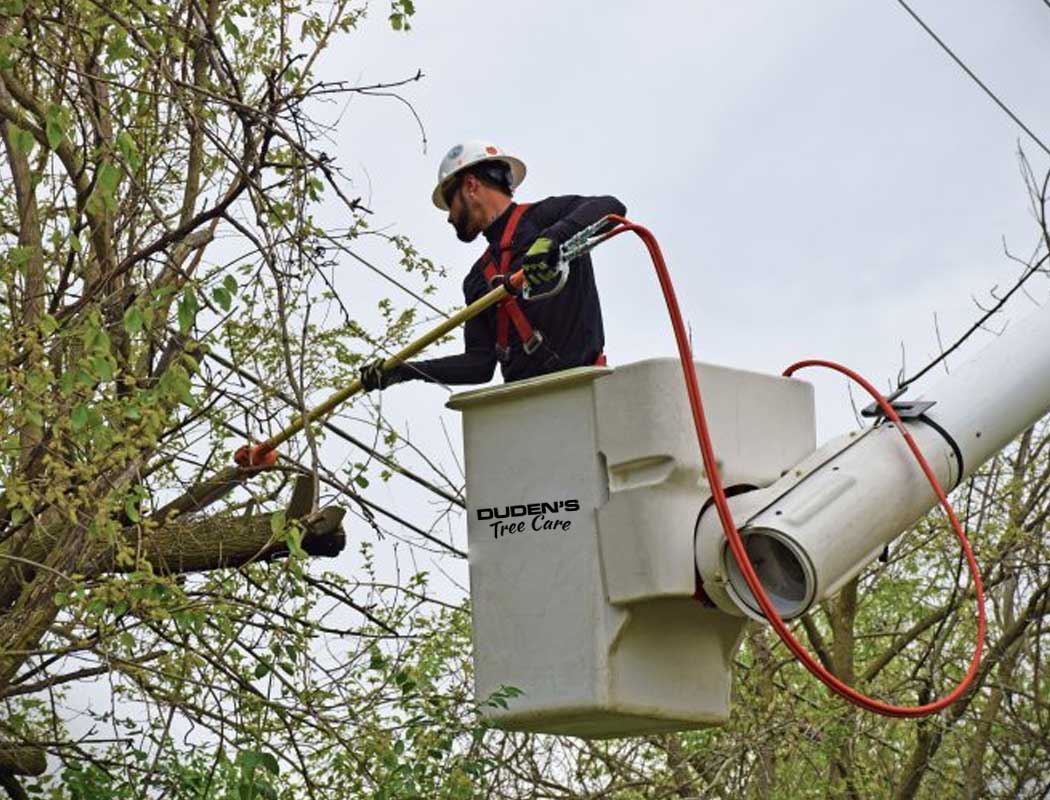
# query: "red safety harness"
508, 310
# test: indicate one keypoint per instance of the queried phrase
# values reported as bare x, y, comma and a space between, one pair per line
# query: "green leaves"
133, 502
24, 141
400, 11
221, 296
48, 324
56, 125
8, 46
252, 785
19, 256
294, 540
176, 383
104, 196
128, 150
108, 179
117, 47
188, 308
278, 522
131, 508
102, 368
133, 320
230, 28
12, 8
79, 418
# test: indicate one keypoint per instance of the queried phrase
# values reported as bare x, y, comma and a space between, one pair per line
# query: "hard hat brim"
517, 175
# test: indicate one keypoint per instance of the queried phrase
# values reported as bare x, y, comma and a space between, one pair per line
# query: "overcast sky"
821, 177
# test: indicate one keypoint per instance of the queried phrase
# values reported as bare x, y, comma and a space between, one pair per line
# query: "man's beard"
462, 225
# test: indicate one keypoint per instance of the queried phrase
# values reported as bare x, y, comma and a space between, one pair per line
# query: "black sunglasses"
448, 191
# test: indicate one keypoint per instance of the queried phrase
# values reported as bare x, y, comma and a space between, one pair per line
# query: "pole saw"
251, 459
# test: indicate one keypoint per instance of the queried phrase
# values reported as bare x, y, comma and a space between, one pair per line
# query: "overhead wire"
973, 75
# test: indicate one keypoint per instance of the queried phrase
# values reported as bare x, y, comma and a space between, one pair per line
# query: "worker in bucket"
476, 183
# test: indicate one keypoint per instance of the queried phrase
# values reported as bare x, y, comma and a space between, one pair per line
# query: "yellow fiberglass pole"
411, 349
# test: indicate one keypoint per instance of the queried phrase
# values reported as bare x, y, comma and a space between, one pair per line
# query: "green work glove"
540, 262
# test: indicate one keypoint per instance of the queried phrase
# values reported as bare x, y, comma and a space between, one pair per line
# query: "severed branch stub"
219, 542
197, 543
21, 760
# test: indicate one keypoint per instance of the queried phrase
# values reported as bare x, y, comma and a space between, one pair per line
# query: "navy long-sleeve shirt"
570, 321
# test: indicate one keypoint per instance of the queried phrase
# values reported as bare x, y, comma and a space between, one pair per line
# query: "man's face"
463, 214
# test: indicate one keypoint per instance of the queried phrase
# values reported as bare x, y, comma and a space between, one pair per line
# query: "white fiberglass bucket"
583, 492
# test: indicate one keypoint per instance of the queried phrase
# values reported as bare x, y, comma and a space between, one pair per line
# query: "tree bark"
927, 741
29, 238
843, 616
184, 544
18, 760
13, 787
218, 542
762, 785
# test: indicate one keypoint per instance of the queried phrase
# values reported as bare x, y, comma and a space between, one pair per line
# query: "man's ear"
471, 185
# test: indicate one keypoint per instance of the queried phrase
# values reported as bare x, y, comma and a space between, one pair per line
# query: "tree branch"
20, 760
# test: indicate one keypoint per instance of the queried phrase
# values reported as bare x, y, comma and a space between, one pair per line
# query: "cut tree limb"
20, 760
190, 543
217, 542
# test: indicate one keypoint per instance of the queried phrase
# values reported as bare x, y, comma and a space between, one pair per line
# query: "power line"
976, 80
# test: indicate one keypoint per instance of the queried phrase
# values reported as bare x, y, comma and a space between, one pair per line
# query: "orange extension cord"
736, 544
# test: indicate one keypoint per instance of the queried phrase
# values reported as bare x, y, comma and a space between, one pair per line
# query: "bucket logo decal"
527, 517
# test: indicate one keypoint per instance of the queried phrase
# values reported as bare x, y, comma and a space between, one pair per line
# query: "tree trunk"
762, 785
843, 616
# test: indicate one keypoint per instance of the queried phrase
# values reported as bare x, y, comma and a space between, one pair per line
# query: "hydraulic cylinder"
833, 513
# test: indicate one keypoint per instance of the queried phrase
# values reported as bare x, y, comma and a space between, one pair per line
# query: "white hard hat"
474, 152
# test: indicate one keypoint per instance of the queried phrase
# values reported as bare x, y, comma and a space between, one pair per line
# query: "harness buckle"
502, 354
503, 279
533, 344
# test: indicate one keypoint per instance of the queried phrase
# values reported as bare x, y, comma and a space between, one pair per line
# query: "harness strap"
508, 311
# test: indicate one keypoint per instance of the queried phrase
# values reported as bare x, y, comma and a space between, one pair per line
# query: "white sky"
821, 177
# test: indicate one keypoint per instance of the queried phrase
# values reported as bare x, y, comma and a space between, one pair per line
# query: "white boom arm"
827, 518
